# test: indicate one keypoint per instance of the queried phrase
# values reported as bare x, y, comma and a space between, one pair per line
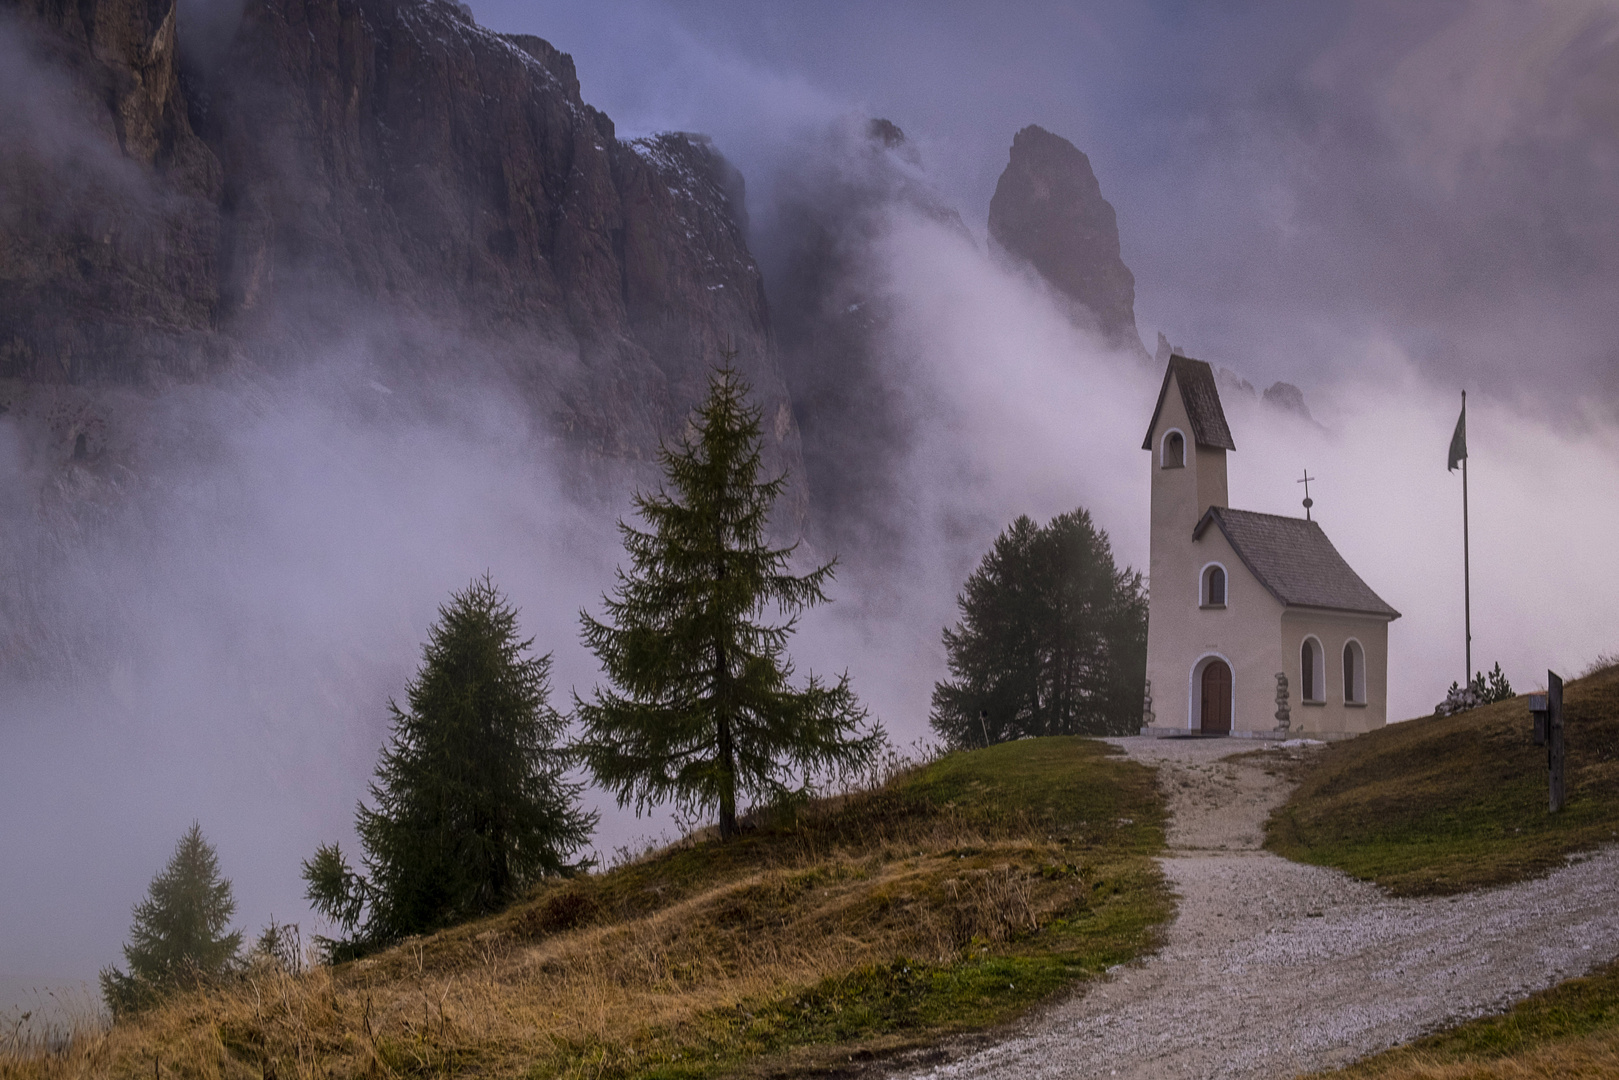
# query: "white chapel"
1256, 625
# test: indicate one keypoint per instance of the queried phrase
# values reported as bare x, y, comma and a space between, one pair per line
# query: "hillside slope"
1443, 805
950, 898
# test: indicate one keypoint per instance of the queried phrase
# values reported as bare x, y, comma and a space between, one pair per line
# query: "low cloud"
234, 611
224, 617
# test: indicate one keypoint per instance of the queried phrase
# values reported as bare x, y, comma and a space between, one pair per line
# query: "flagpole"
1467, 569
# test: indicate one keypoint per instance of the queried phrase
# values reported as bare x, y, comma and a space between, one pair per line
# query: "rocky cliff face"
1048, 210
380, 169
109, 215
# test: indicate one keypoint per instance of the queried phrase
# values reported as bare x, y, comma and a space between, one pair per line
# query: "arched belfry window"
1214, 586
1312, 671
1354, 673
1174, 453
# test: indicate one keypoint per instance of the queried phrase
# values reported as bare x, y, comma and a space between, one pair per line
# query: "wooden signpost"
1547, 710
1554, 738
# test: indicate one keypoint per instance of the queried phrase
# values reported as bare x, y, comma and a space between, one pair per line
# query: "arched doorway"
1216, 698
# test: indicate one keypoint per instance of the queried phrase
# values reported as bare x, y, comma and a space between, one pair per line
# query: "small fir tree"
472, 802
280, 945
1479, 691
179, 937
1496, 688
704, 712
1052, 639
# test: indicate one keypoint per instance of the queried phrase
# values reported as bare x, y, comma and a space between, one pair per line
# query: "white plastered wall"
1244, 632
1333, 629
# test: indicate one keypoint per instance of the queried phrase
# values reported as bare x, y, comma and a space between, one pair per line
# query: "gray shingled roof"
1294, 559
1202, 400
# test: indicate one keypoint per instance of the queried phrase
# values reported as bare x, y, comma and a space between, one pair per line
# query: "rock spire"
1048, 211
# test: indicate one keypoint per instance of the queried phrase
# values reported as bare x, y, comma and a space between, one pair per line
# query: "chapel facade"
1256, 625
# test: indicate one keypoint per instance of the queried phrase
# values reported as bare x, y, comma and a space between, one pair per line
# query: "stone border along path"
1272, 968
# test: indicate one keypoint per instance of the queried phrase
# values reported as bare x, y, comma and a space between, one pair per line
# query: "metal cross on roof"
1308, 502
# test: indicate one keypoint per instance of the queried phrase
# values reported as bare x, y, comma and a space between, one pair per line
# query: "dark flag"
1458, 441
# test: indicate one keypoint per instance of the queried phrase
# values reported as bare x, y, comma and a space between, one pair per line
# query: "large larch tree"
703, 711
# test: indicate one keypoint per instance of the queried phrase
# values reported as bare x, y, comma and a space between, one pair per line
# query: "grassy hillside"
1443, 805
1571, 1030
950, 898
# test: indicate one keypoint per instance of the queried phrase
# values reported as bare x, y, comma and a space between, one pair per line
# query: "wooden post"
1467, 562
1554, 739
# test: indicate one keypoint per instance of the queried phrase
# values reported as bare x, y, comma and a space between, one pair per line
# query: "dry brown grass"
1593, 1057
651, 965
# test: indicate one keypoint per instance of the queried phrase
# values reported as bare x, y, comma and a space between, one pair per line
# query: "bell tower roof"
1202, 400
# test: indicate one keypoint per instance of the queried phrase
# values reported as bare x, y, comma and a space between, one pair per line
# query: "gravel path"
1272, 968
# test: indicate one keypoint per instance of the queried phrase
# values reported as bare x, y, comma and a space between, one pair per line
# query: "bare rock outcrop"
1288, 398
1048, 210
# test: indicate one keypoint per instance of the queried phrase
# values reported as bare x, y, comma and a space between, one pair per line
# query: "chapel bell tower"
1188, 437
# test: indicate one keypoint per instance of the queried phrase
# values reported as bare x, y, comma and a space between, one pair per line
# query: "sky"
1286, 176
1380, 203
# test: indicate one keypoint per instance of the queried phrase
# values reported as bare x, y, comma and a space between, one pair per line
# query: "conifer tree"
179, 937
704, 713
1052, 639
471, 799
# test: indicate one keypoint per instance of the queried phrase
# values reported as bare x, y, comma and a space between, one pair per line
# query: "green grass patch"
1442, 805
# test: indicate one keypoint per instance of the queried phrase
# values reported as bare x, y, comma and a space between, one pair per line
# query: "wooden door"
1216, 698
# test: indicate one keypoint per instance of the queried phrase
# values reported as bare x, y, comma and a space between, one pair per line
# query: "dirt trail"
1273, 968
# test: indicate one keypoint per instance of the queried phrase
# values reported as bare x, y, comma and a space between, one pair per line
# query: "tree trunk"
722, 693
727, 762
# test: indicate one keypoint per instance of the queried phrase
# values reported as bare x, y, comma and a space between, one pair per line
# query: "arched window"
1174, 455
1214, 582
1354, 673
1312, 671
